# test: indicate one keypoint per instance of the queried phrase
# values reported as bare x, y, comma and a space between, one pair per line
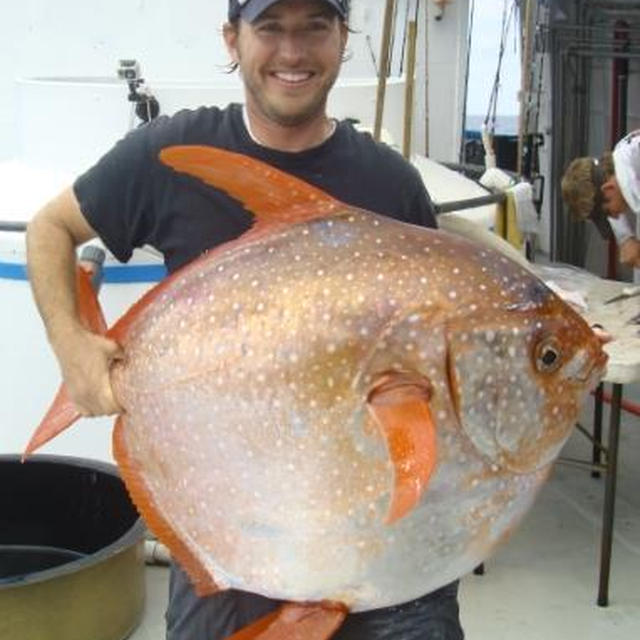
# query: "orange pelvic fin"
63, 413
399, 403
271, 195
294, 621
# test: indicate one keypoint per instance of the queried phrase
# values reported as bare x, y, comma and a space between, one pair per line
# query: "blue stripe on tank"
122, 274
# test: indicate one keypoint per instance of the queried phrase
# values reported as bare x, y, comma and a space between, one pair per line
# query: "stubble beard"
316, 107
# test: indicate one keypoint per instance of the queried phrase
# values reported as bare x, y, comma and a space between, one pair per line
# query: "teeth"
293, 77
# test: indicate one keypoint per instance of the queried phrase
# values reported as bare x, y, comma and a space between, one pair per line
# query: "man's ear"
230, 35
344, 38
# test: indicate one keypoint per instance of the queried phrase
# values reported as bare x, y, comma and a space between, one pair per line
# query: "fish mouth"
585, 368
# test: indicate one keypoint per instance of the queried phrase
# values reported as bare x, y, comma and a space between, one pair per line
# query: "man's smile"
292, 77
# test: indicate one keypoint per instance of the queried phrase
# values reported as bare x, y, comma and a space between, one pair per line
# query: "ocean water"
505, 125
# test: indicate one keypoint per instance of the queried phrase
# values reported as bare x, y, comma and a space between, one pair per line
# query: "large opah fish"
338, 406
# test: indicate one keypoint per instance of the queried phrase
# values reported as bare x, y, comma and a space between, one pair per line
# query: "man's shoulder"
191, 125
377, 156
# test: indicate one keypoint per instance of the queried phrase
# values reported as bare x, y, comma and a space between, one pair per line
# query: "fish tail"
318, 621
63, 412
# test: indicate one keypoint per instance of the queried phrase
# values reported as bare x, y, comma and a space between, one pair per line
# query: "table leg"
609, 496
597, 428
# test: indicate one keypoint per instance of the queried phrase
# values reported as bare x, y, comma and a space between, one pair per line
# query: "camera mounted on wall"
146, 106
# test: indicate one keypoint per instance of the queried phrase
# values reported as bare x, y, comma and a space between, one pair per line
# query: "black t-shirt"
131, 199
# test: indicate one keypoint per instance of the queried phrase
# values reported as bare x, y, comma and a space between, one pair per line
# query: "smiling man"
289, 54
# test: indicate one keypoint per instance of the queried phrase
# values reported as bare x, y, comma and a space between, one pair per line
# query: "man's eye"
269, 27
318, 25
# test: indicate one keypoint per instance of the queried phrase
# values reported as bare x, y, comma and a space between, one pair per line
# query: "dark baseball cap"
249, 10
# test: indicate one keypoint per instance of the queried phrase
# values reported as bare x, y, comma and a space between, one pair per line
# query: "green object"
71, 551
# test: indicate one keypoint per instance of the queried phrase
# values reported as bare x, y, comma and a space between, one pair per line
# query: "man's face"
613, 201
289, 58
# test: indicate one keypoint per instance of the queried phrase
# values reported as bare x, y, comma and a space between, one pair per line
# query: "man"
605, 189
289, 54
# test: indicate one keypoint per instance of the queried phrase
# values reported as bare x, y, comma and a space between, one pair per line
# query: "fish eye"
548, 356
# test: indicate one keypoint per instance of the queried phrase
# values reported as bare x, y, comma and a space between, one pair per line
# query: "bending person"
605, 190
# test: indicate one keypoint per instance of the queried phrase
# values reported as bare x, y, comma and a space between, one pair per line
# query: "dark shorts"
431, 617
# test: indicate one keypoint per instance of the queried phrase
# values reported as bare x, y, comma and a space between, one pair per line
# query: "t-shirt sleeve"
424, 208
419, 208
115, 195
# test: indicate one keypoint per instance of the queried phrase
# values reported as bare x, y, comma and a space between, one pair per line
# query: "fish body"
267, 386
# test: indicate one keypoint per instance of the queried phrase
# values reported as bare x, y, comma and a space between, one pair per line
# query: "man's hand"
85, 361
630, 252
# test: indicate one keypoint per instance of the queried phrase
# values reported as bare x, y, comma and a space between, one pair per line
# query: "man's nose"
291, 46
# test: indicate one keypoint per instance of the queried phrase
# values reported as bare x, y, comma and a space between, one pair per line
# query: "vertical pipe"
427, 57
412, 33
525, 85
619, 84
383, 71
597, 428
609, 497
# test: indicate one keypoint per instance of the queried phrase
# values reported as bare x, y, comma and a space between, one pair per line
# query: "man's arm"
630, 252
84, 357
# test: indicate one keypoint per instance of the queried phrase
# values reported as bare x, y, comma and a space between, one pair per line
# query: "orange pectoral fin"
295, 621
399, 403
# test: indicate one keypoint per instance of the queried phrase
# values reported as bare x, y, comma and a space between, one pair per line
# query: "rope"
472, 11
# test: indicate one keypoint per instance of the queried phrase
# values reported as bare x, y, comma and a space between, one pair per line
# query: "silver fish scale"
245, 391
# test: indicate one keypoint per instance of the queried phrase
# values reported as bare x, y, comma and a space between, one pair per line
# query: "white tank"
29, 375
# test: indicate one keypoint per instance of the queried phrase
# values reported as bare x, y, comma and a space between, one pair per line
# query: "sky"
485, 46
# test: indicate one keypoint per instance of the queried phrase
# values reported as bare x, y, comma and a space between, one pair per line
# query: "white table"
623, 367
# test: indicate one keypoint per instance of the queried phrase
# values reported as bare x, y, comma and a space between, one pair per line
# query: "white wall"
181, 42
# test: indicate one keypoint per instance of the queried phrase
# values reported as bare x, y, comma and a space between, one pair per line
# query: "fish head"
518, 373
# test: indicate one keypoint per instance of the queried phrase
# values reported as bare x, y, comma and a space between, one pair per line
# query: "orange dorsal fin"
399, 404
270, 194
295, 621
63, 413
275, 199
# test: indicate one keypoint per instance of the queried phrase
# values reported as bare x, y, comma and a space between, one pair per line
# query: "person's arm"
621, 228
630, 252
628, 244
84, 358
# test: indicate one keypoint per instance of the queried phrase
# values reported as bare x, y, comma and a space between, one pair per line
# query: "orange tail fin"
294, 621
63, 413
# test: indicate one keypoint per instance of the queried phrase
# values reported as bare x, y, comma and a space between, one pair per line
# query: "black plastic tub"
71, 551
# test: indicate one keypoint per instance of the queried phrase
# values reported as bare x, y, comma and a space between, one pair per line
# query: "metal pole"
7, 225
383, 71
524, 82
427, 57
609, 497
470, 203
412, 34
